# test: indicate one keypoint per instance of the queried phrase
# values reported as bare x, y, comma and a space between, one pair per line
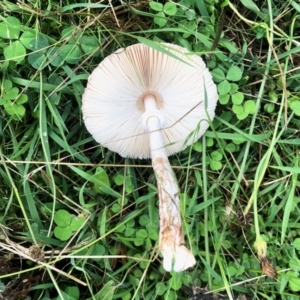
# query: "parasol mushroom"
145, 103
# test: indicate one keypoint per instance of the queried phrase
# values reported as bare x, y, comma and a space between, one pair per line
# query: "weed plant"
79, 222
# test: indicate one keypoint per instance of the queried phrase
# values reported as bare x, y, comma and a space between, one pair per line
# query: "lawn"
79, 221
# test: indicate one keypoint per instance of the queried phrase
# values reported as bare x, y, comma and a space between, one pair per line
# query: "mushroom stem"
171, 241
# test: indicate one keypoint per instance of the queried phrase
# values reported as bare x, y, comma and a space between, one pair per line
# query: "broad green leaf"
153, 234
160, 288
156, 6
230, 147
224, 87
227, 115
294, 284
190, 14
76, 223
232, 270
40, 42
160, 19
123, 201
67, 32
27, 37
54, 56
215, 165
297, 243
89, 44
102, 176
218, 75
197, 146
175, 282
62, 218
12, 94
98, 250
237, 98
72, 291
129, 187
295, 107
182, 24
224, 99
216, 155
191, 27
139, 241
116, 208
294, 263
209, 142
273, 96
10, 28
22, 99
294, 281
233, 88
13, 108
129, 232
237, 109
121, 228
170, 8
242, 116
71, 53
144, 220
234, 74
7, 85
15, 51
269, 107
106, 293
62, 233
65, 296
250, 107
37, 60
119, 179
142, 234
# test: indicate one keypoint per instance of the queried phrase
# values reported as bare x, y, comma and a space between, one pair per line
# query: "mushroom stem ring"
152, 111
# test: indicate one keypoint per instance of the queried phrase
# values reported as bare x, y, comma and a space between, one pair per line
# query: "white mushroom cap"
113, 100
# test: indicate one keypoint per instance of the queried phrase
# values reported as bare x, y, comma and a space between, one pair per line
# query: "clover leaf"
144, 236
66, 224
15, 51
71, 53
230, 91
10, 28
215, 160
168, 8
38, 45
273, 98
12, 101
294, 104
243, 110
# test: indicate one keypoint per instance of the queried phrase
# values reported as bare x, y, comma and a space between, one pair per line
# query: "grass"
79, 222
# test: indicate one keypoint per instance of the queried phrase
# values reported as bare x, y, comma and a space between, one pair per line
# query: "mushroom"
146, 103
